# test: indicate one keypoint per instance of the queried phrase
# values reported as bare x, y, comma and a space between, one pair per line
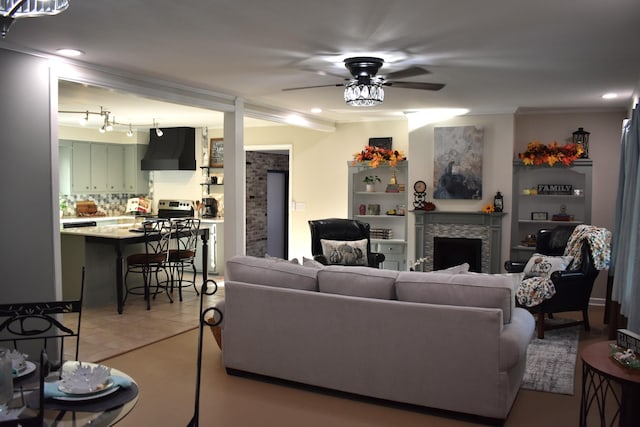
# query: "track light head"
130, 131
158, 130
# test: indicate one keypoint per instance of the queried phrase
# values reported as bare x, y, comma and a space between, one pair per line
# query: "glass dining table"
66, 409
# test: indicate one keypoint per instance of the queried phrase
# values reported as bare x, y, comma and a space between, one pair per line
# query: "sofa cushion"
364, 282
271, 272
345, 252
470, 290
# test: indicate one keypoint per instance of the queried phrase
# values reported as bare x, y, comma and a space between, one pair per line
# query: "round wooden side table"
600, 374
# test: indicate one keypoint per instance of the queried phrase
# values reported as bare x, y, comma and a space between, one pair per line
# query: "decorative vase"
371, 188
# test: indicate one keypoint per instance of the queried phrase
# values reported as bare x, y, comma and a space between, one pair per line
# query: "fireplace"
452, 251
485, 229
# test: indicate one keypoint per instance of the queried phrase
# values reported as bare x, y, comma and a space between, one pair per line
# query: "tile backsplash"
112, 204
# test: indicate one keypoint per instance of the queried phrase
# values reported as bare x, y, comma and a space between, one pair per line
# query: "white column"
234, 182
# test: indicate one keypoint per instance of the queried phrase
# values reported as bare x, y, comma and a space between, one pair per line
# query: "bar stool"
157, 236
183, 252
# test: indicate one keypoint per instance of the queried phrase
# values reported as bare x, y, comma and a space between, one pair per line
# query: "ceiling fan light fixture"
13, 9
357, 94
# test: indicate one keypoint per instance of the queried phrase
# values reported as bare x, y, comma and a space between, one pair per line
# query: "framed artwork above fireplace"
457, 169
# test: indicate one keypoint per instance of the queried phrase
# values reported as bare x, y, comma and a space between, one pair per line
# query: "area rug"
551, 362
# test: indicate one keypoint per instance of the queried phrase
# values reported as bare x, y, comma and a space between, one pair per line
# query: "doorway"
267, 201
277, 213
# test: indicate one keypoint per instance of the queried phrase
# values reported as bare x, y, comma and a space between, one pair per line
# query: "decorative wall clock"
419, 194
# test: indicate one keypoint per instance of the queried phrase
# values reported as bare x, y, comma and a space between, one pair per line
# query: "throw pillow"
308, 262
543, 265
275, 258
350, 252
456, 269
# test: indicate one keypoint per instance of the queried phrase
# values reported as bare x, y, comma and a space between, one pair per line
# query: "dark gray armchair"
573, 287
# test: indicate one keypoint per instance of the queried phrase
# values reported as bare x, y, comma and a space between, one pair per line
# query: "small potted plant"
370, 181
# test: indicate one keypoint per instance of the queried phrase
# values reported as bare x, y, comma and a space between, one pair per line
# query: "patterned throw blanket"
534, 290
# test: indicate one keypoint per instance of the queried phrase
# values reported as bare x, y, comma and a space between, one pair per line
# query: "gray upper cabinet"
87, 167
115, 168
135, 179
99, 168
81, 167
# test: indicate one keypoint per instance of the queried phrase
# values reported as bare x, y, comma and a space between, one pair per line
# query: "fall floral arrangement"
538, 153
488, 208
377, 156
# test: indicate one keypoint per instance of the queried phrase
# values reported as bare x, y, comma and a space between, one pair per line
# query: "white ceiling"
495, 56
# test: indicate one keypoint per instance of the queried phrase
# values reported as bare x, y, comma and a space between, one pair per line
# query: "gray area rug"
551, 362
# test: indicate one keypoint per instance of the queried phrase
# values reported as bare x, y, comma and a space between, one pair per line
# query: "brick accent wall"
257, 166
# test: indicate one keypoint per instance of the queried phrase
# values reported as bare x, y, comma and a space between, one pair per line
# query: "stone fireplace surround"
470, 225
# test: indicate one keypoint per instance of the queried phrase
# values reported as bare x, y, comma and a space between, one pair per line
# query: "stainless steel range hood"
174, 150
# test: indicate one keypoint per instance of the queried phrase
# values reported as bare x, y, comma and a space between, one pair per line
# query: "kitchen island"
102, 249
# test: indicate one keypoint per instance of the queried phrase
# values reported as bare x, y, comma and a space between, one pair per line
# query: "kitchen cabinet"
385, 211
99, 167
533, 210
115, 168
88, 167
80, 167
136, 180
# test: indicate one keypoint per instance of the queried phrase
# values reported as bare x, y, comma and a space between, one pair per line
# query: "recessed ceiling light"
69, 52
316, 110
609, 96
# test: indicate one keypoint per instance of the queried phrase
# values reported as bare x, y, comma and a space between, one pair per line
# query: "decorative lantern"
497, 202
581, 139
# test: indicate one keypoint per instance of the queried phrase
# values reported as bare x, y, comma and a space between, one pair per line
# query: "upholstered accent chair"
573, 287
341, 230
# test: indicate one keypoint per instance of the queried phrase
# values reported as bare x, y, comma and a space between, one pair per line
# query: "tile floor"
104, 333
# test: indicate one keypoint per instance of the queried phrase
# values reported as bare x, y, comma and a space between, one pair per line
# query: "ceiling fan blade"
312, 87
406, 73
415, 85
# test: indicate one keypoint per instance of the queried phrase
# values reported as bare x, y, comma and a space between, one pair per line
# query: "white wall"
320, 168
496, 167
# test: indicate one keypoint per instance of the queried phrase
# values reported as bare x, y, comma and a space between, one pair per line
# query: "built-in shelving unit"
529, 209
389, 231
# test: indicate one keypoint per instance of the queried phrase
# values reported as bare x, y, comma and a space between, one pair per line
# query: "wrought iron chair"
39, 328
157, 236
214, 320
343, 230
23, 325
182, 252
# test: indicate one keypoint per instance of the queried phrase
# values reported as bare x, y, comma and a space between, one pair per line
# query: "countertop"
113, 227
122, 219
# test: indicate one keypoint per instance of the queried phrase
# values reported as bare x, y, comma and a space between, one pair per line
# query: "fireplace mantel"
485, 226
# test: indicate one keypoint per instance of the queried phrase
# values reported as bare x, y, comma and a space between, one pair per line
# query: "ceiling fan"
365, 87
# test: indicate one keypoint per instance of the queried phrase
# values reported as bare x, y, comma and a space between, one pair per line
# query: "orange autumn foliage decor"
538, 153
377, 156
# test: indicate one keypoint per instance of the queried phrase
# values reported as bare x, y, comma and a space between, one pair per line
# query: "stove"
169, 208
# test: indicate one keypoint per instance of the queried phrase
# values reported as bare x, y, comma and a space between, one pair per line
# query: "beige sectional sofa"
449, 341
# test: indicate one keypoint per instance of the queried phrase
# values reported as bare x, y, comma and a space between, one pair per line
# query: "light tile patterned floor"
104, 333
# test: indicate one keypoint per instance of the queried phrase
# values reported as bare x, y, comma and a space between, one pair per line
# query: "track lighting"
158, 130
108, 122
